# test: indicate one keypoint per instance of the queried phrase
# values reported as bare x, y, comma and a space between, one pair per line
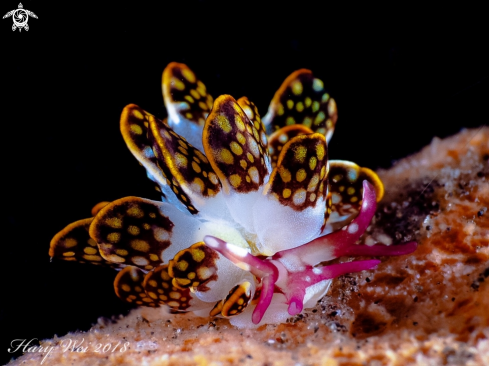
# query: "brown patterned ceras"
132, 231
235, 303
188, 168
188, 93
194, 267
300, 177
302, 100
234, 147
159, 286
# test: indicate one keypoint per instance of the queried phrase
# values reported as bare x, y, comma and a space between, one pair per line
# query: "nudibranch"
252, 210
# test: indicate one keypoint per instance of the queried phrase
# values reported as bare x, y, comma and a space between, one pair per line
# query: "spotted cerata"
252, 210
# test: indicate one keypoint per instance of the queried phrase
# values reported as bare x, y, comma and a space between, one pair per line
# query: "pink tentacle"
241, 257
267, 289
326, 247
296, 301
260, 268
322, 273
378, 249
299, 281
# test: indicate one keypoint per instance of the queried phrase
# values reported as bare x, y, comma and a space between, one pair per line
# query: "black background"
400, 76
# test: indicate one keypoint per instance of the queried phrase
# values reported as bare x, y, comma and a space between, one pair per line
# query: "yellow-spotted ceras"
246, 221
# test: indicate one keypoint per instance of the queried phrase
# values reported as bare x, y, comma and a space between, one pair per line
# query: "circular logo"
20, 17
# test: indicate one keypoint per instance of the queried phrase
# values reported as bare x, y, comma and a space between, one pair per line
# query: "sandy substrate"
428, 308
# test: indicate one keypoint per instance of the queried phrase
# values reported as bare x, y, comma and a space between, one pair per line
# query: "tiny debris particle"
415, 323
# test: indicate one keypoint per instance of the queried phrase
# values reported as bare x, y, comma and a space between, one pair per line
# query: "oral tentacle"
298, 282
241, 257
326, 247
377, 249
260, 268
314, 275
268, 285
296, 300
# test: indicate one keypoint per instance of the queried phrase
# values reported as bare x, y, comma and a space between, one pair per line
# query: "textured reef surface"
429, 307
